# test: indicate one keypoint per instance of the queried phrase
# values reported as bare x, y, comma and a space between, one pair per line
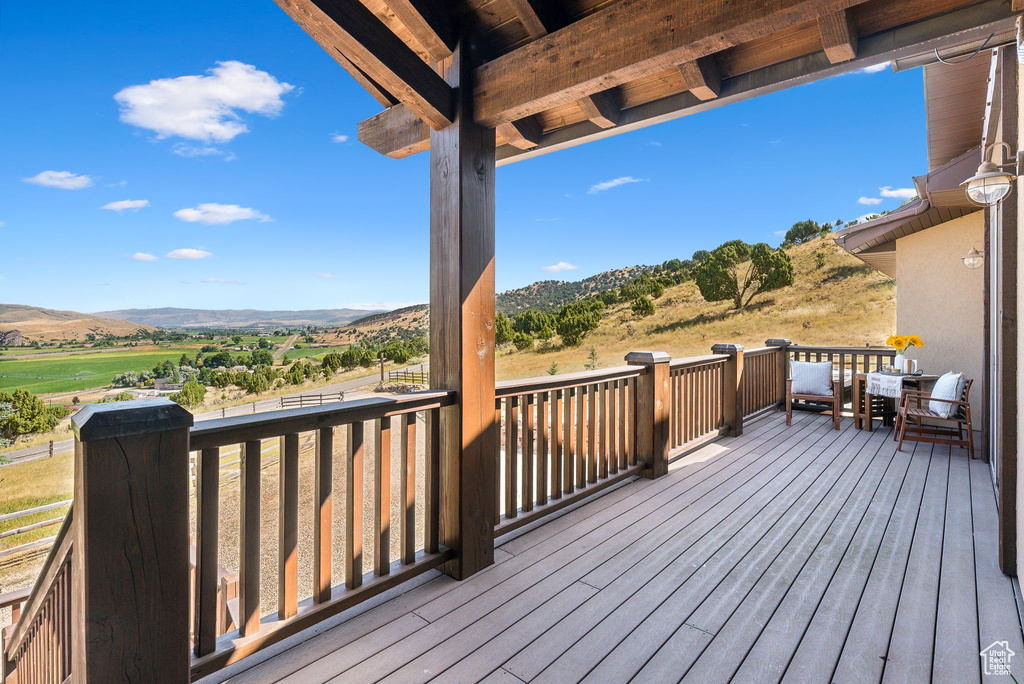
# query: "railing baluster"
249, 541
323, 514
432, 483
497, 466
556, 444
542, 448
592, 433
288, 527
612, 433
568, 452
581, 446
408, 488
526, 479
207, 503
354, 507
622, 424
511, 449
382, 496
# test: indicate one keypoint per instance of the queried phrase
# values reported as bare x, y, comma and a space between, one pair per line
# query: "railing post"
130, 597
652, 410
732, 394
783, 373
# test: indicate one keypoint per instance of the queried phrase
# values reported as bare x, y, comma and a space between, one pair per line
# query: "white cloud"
614, 183
222, 281
213, 214
65, 180
901, 193
203, 107
874, 68
189, 253
869, 200
185, 150
324, 275
559, 267
121, 205
780, 233
142, 256
2, 224
865, 217
339, 138
118, 184
546, 220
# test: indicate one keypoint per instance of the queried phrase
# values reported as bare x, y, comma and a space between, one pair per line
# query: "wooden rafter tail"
838, 36
524, 134
601, 108
352, 30
429, 22
702, 77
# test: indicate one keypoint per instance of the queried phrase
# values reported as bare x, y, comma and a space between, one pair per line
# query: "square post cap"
723, 348
647, 358
126, 418
777, 342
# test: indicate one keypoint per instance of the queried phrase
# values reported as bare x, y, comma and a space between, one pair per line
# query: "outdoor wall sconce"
991, 184
974, 259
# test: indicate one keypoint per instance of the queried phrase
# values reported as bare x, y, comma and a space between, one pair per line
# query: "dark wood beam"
524, 134
346, 26
838, 36
623, 42
378, 93
702, 77
601, 108
941, 32
462, 324
395, 132
430, 23
539, 17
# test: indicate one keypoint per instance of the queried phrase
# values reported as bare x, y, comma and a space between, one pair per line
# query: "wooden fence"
558, 440
414, 376
311, 400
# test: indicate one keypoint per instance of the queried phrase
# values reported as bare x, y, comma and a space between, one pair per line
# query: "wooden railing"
697, 398
557, 441
562, 438
37, 645
329, 597
763, 385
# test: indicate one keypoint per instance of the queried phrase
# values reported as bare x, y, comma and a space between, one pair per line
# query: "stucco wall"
942, 301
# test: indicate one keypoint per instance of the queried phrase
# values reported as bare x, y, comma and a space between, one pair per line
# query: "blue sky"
252, 165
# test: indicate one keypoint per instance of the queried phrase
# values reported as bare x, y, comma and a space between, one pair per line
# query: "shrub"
191, 394
575, 321
642, 307
522, 341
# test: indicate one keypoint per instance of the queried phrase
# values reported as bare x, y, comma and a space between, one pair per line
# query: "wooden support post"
732, 395
652, 411
130, 603
783, 361
462, 322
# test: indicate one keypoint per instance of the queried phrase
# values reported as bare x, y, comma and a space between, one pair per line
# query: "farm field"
75, 372
313, 352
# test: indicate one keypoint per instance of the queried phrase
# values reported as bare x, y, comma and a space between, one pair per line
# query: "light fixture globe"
974, 259
989, 186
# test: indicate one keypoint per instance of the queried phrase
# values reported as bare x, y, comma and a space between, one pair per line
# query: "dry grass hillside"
44, 325
835, 300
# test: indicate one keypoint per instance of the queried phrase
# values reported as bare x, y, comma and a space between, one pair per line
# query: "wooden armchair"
913, 411
835, 399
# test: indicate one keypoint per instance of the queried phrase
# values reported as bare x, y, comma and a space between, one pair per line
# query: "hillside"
835, 300
235, 318
36, 323
553, 294
405, 323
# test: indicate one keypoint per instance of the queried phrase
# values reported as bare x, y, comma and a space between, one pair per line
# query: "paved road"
285, 347
270, 404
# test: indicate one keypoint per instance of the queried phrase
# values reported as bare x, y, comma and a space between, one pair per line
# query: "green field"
82, 371
313, 352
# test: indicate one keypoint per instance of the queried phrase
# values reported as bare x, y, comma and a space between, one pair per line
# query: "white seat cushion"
950, 386
812, 378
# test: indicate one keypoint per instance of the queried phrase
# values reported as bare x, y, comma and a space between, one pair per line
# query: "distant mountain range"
37, 323
236, 318
553, 294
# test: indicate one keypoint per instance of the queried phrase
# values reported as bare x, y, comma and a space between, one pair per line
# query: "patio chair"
813, 383
947, 410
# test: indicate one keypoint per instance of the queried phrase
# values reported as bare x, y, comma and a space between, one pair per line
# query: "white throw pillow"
812, 378
950, 386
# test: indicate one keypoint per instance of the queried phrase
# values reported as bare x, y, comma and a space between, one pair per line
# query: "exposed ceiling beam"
346, 26
838, 36
430, 23
379, 94
622, 42
601, 108
524, 134
943, 32
395, 132
702, 78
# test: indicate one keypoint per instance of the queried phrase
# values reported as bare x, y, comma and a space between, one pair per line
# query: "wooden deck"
796, 554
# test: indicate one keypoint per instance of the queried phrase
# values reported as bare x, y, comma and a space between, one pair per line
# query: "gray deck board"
797, 554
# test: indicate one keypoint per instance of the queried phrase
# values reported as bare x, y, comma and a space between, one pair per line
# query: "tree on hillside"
191, 394
591, 363
700, 255
333, 361
522, 341
23, 413
503, 331
642, 307
804, 231
261, 357
575, 321
719, 277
